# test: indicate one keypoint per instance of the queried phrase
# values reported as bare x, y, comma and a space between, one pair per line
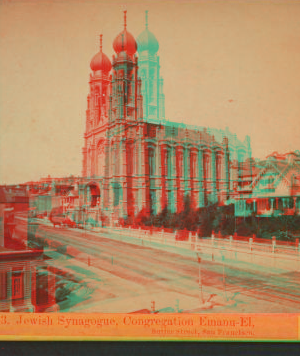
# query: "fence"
190, 240
268, 245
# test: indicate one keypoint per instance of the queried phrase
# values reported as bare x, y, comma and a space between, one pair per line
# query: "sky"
225, 64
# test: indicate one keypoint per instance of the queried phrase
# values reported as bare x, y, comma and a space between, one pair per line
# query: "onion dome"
147, 41
100, 61
125, 41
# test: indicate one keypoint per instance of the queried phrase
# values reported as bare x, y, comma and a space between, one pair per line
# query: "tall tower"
152, 83
124, 128
125, 97
97, 111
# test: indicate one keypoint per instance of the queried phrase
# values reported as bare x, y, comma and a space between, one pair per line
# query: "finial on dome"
101, 42
146, 16
125, 19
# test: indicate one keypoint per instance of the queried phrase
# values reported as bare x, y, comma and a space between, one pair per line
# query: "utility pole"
200, 280
224, 280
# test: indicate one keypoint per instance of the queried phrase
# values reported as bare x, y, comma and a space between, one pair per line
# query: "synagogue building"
135, 158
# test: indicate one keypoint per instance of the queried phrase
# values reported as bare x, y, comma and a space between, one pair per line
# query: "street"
125, 277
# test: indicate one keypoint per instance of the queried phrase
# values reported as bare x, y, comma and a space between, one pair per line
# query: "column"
110, 165
186, 169
173, 160
109, 187
124, 174
124, 189
157, 170
111, 197
192, 178
206, 176
158, 177
272, 205
141, 178
163, 177
92, 159
213, 176
222, 178
84, 162
200, 177
171, 181
178, 178
139, 156
144, 151
121, 172
226, 164
114, 156
124, 157
107, 157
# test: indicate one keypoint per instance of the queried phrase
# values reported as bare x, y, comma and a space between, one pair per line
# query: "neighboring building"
133, 158
275, 190
26, 283
47, 194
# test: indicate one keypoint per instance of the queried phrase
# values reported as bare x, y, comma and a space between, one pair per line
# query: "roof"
12, 255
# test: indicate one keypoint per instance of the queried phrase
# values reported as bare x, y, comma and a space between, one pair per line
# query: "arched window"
151, 161
193, 165
188, 163
206, 166
117, 193
218, 167
169, 163
179, 162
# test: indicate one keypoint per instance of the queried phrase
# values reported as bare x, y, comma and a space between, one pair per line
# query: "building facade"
27, 283
275, 189
133, 157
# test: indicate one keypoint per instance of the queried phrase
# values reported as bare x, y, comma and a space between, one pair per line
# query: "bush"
202, 220
219, 219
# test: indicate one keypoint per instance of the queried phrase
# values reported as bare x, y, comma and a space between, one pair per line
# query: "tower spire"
101, 42
125, 19
146, 17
